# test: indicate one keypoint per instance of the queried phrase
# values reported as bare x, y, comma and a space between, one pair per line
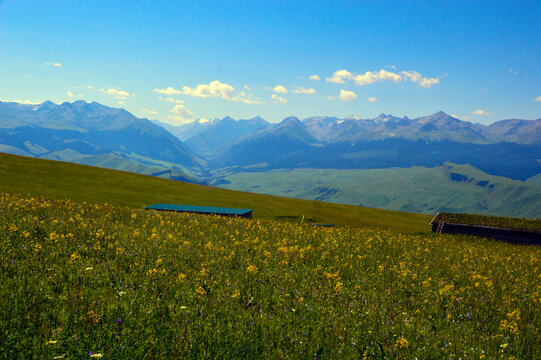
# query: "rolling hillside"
448, 187
53, 179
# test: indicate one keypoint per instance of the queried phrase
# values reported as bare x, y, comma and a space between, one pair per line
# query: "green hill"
449, 187
54, 179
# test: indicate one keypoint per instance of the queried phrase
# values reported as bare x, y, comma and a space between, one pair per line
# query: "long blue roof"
198, 209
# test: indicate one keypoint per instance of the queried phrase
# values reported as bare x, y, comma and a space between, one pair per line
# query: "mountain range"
213, 151
94, 134
510, 148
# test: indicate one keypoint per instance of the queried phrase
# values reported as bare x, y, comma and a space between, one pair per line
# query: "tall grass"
82, 281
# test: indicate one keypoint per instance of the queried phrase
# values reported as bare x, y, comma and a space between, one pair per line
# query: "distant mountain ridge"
221, 134
436, 127
78, 131
509, 148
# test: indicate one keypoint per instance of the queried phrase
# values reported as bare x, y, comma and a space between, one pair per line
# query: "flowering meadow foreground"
86, 281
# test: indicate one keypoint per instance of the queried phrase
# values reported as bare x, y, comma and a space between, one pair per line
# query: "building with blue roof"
204, 210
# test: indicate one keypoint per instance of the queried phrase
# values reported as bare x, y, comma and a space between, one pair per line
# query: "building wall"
515, 236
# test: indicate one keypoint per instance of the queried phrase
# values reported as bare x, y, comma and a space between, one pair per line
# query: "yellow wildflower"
201, 291
402, 342
252, 269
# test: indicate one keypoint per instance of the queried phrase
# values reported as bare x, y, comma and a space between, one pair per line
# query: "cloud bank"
347, 96
303, 90
119, 94
341, 76
168, 91
150, 112
481, 112
218, 89
181, 116
279, 89
278, 99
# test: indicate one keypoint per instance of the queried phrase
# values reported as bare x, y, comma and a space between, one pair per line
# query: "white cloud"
168, 91
513, 71
150, 112
55, 64
23, 102
121, 102
278, 99
428, 82
314, 77
181, 111
90, 87
70, 94
171, 100
246, 87
414, 76
181, 116
303, 90
279, 89
373, 99
481, 112
119, 94
538, 98
369, 77
218, 89
346, 95
341, 76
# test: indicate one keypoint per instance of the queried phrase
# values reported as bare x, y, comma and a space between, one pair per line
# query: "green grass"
492, 221
59, 180
450, 188
82, 280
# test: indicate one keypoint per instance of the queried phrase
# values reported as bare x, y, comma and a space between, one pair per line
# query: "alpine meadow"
270, 180
101, 281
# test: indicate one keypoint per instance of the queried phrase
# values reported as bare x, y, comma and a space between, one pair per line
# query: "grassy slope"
415, 189
126, 284
52, 179
535, 179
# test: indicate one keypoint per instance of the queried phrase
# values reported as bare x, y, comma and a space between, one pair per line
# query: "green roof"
198, 209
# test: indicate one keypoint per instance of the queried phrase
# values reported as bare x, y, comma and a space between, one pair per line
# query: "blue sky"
185, 60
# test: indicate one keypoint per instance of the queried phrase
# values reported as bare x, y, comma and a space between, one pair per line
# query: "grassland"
86, 273
59, 180
449, 187
85, 281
